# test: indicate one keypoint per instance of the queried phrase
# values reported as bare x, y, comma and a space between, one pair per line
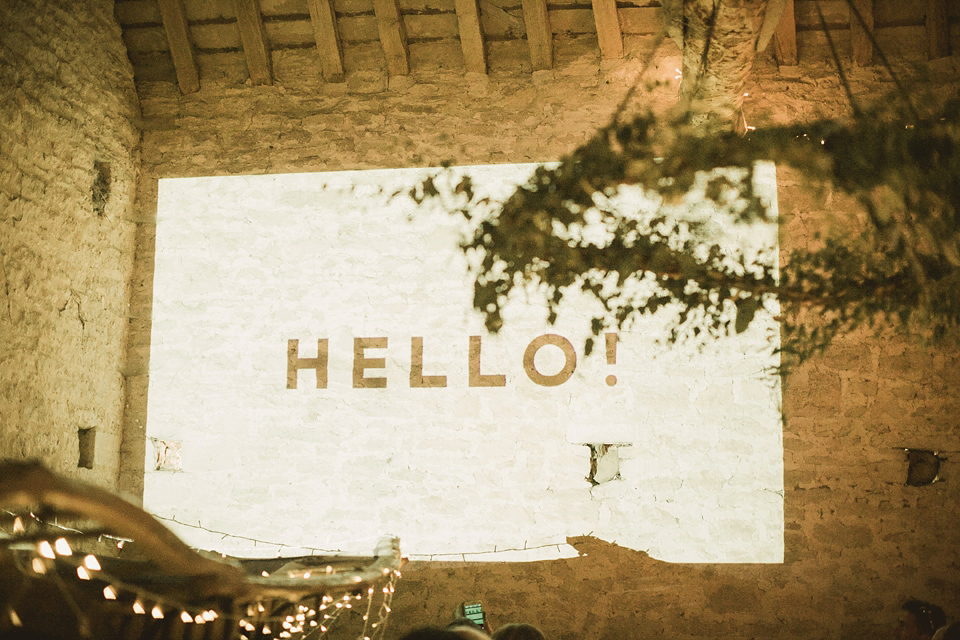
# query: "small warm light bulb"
15, 619
265, 574
156, 612
209, 615
91, 563
199, 620
260, 607
38, 566
306, 575
266, 630
138, 607
82, 573
109, 593
329, 569
186, 617
18, 525
45, 550
62, 547
313, 623
312, 612
357, 579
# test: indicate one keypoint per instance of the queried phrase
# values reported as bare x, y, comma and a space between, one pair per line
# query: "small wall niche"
87, 439
100, 192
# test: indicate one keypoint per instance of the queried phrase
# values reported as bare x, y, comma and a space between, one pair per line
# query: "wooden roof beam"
174, 19
938, 29
785, 37
471, 36
254, 40
539, 35
860, 29
609, 35
393, 37
327, 36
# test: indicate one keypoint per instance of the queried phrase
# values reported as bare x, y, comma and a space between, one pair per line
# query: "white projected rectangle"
315, 352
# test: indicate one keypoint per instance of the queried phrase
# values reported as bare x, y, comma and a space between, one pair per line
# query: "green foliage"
896, 260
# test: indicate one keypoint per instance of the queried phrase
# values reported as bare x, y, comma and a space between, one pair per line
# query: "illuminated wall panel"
317, 363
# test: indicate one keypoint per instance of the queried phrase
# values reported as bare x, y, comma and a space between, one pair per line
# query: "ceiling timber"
190, 41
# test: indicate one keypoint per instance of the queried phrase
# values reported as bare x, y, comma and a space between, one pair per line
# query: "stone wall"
69, 133
858, 541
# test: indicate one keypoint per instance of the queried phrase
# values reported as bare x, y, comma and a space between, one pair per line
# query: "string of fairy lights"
37, 555
259, 544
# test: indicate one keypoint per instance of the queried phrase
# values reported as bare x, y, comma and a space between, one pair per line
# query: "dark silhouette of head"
919, 620
518, 631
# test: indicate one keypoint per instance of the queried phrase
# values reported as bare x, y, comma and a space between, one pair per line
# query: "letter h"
295, 363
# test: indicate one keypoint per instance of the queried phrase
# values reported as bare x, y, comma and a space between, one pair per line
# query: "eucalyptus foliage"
895, 260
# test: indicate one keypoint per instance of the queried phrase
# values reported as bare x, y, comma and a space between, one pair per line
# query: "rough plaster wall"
858, 541
67, 102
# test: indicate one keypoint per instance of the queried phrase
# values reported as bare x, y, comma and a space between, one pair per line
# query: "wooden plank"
572, 21
471, 36
835, 12
785, 37
609, 35
436, 26
860, 30
137, 12
327, 37
938, 29
539, 35
640, 20
358, 29
174, 18
254, 40
393, 37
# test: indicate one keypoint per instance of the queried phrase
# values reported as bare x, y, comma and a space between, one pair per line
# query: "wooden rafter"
785, 37
609, 35
254, 40
393, 36
539, 36
471, 36
860, 30
938, 29
324, 21
174, 19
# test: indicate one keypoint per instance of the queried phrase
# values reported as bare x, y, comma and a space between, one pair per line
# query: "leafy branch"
901, 264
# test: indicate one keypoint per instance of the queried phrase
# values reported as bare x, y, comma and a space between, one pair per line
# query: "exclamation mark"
611, 356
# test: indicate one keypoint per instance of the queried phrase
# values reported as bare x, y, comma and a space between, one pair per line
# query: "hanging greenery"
895, 261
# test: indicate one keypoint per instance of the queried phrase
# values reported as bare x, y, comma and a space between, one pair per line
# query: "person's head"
430, 633
952, 632
465, 632
919, 620
518, 631
467, 629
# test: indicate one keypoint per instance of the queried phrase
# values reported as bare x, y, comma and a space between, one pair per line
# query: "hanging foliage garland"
896, 261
